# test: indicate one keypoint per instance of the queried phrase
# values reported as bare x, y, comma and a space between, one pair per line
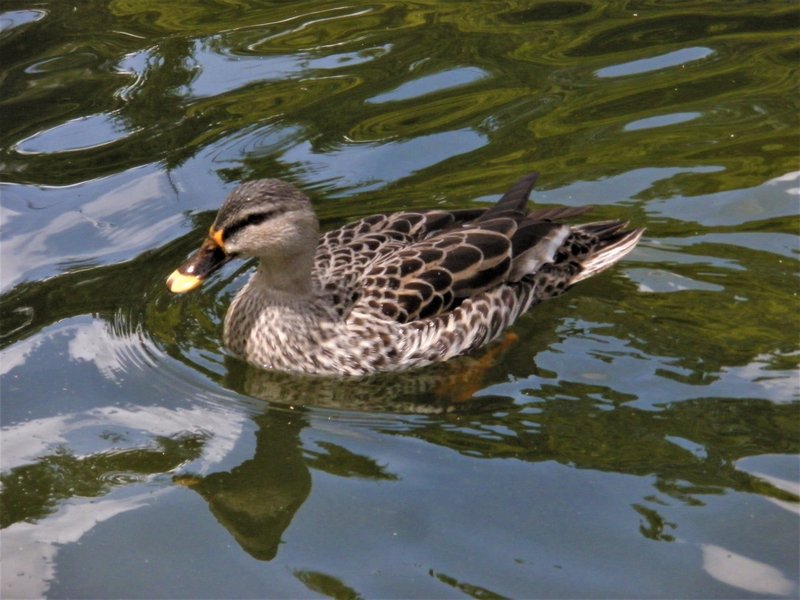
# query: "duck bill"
198, 267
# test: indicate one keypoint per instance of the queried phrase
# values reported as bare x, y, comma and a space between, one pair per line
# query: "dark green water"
640, 440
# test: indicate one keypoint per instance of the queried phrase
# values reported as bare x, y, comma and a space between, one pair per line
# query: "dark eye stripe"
251, 219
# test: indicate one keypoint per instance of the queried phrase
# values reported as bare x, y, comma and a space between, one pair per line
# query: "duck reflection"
690, 449
257, 500
437, 389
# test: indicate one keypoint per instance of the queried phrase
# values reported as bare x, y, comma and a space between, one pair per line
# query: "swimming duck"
395, 291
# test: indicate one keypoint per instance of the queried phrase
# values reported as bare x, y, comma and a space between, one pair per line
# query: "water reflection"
661, 121
214, 75
665, 61
30, 570
439, 389
745, 573
774, 199
436, 82
31, 492
121, 218
256, 500
371, 166
644, 425
12, 19
65, 475
81, 134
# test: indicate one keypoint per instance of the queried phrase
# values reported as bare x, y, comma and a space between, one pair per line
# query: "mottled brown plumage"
391, 292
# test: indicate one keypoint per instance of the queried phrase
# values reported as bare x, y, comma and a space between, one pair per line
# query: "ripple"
16, 18
74, 60
548, 11
121, 217
661, 121
433, 116
780, 244
660, 281
369, 166
772, 200
113, 353
656, 63
220, 71
118, 360
674, 252
135, 64
682, 26
261, 140
629, 184
319, 28
779, 470
77, 134
430, 84
122, 478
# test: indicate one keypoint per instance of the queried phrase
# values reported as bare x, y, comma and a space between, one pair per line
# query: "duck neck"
289, 277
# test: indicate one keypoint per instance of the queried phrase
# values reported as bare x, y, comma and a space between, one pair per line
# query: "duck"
390, 292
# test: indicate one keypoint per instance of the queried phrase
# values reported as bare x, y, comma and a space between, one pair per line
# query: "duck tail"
613, 243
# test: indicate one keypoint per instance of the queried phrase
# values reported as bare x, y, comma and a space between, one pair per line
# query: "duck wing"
418, 265
435, 275
432, 276
464, 258
345, 255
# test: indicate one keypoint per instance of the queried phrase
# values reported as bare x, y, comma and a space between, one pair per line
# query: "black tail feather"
553, 214
514, 202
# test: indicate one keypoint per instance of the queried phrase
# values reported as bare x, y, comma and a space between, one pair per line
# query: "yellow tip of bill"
178, 283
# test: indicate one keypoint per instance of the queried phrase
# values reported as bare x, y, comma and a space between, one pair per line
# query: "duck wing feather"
344, 255
418, 265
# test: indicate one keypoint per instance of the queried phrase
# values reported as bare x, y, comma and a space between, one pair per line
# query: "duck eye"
251, 219
256, 218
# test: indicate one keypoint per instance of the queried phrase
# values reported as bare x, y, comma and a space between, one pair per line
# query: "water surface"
639, 440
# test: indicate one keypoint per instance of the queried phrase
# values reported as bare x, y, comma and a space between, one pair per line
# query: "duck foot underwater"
390, 292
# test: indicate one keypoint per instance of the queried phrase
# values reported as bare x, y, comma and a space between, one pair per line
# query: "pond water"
641, 437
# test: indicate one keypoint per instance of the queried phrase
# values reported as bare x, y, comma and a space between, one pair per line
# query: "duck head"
269, 219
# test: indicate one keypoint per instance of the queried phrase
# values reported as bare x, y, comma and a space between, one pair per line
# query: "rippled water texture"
639, 440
